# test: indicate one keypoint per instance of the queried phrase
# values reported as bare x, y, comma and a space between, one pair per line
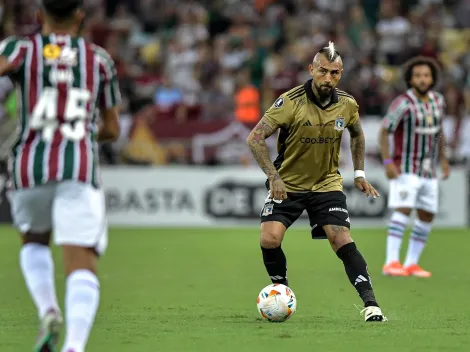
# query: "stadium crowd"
186, 64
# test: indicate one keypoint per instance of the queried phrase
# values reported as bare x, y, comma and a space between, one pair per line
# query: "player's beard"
324, 91
422, 91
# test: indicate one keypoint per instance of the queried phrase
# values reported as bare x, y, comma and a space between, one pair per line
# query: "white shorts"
414, 192
74, 211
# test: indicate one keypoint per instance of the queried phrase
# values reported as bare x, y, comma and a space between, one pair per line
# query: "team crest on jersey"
51, 52
339, 124
429, 120
403, 195
54, 54
268, 209
279, 102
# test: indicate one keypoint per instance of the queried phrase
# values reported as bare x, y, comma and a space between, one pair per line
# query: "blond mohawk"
331, 50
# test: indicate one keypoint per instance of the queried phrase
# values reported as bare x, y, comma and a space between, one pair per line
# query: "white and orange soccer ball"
276, 303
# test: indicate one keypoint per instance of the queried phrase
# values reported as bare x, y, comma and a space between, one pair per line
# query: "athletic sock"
356, 268
276, 264
81, 303
418, 239
37, 266
396, 228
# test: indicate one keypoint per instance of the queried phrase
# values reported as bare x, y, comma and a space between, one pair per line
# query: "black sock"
356, 268
276, 264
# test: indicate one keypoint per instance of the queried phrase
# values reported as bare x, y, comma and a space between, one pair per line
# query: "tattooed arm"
358, 145
358, 149
257, 143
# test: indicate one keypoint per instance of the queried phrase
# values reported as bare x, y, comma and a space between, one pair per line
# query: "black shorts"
323, 208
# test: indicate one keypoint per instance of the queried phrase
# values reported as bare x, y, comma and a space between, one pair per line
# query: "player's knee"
38, 238
404, 211
425, 216
272, 233
79, 258
270, 240
343, 239
338, 236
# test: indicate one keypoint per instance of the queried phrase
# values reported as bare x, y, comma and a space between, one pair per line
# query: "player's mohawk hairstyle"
330, 52
331, 49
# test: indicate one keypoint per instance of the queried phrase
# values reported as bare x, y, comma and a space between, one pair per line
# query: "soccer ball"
276, 303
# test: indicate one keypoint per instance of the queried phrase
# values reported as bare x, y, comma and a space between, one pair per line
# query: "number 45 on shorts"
45, 114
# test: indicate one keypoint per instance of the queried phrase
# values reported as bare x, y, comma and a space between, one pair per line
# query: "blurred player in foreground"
63, 81
311, 119
414, 120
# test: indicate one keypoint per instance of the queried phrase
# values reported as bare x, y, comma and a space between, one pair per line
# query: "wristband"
388, 161
359, 173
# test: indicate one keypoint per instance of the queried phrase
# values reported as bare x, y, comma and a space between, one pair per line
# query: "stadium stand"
195, 75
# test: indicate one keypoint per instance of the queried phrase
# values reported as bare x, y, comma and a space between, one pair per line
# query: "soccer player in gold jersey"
311, 119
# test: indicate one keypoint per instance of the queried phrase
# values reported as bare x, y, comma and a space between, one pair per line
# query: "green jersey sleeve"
14, 49
396, 113
110, 95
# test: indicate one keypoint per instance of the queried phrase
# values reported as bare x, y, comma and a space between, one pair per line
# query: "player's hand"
392, 171
365, 187
278, 189
445, 169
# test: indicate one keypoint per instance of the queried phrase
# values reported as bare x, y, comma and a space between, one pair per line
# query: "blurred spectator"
98, 26
455, 108
247, 100
167, 96
392, 29
417, 33
357, 26
176, 154
180, 63
194, 66
279, 76
169, 100
217, 105
122, 20
192, 27
462, 13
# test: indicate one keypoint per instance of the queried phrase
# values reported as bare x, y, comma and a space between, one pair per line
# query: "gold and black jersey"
309, 139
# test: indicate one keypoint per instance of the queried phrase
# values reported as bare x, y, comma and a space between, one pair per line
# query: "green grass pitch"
195, 290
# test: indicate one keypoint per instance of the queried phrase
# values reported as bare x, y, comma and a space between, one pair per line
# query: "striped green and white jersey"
63, 83
416, 126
